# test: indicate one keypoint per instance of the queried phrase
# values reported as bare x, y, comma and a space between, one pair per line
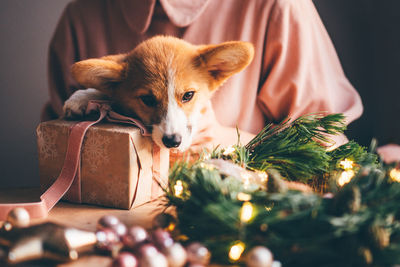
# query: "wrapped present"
117, 168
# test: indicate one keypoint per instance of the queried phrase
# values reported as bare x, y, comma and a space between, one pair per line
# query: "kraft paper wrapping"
109, 163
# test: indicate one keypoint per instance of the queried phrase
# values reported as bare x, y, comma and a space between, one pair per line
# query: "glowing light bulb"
243, 196
236, 251
246, 213
345, 177
347, 164
395, 175
178, 187
229, 150
171, 227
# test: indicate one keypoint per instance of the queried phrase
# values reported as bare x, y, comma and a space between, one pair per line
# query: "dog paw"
75, 106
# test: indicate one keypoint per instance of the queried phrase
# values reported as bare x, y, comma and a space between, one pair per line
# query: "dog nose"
172, 140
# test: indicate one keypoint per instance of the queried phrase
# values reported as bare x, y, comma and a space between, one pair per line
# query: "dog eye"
149, 100
187, 96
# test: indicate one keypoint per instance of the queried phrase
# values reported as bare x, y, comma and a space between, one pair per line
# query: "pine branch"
295, 149
313, 126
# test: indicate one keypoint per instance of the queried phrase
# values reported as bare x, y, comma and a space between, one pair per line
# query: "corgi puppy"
165, 82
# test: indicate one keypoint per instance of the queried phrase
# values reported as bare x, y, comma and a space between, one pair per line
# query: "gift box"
116, 167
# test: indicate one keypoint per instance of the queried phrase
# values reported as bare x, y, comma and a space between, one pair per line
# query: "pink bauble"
18, 217
125, 259
162, 239
120, 229
134, 236
259, 257
156, 260
198, 254
107, 221
176, 255
147, 250
106, 239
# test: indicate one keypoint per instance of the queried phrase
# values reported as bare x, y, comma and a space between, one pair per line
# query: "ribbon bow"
103, 107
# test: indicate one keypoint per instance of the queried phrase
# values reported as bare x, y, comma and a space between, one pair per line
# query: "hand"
390, 153
210, 133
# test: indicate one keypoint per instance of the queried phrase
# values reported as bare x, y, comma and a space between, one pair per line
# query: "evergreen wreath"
236, 197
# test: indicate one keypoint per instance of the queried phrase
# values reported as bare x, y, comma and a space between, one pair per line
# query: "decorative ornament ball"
106, 239
107, 221
163, 220
18, 217
176, 255
162, 239
198, 254
147, 251
120, 229
125, 259
259, 257
157, 260
134, 236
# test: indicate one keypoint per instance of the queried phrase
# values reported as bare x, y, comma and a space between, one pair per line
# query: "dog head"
165, 82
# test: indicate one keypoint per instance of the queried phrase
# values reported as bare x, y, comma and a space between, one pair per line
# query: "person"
295, 70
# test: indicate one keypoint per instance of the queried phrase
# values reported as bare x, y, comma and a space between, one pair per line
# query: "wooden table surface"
84, 217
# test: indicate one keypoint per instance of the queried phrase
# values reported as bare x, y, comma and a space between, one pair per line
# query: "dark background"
366, 34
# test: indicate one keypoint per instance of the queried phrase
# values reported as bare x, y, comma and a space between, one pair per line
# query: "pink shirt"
295, 70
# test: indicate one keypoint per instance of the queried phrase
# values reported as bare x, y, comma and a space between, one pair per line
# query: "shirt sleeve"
63, 52
301, 70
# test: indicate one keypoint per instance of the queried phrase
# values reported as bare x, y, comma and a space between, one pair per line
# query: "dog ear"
223, 60
100, 73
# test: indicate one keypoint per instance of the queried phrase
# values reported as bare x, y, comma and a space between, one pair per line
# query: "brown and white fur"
164, 81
